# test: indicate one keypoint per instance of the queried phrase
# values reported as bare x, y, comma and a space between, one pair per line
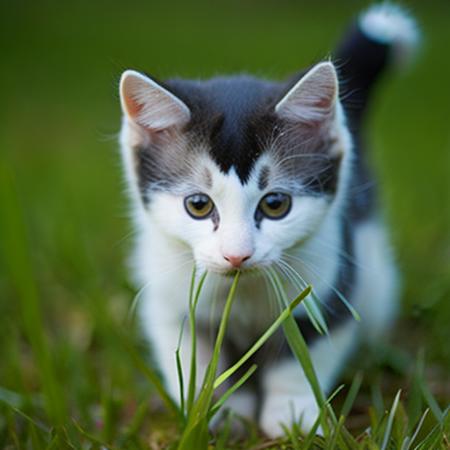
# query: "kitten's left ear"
150, 105
313, 99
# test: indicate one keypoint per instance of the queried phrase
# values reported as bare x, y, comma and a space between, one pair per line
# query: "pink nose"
236, 261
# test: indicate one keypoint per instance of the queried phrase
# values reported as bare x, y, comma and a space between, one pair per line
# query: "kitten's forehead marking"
208, 179
263, 179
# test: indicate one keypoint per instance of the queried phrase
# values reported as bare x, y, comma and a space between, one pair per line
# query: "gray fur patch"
304, 162
169, 163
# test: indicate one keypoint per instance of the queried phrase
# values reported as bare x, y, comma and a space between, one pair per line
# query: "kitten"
245, 173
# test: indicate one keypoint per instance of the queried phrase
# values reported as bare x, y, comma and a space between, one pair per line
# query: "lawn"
73, 370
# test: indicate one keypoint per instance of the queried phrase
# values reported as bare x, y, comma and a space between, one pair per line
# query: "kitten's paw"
286, 410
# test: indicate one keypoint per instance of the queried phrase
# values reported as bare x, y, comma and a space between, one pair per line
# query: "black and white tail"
384, 35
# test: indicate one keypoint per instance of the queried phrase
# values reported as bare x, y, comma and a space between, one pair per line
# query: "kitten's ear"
313, 99
149, 105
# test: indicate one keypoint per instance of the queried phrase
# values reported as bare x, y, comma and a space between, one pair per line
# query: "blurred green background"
64, 231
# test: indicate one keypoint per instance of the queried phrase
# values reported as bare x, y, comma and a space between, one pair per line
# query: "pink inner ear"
133, 107
324, 102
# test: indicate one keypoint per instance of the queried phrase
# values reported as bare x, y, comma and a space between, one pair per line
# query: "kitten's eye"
198, 206
275, 205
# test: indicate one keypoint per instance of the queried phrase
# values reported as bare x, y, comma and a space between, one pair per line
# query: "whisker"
341, 296
270, 291
311, 304
348, 257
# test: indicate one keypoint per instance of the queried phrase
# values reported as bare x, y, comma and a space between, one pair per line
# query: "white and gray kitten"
239, 172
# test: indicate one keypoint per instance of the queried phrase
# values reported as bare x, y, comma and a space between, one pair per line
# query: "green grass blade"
352, 393
195, 434
232, 389
193, 301
180, 372
431, 401
332, 445
298, 345
265, 336
311, 436
311, 305
432, 440
315, 314
390, 421
292, 436
335, 393
410, 442
352, 310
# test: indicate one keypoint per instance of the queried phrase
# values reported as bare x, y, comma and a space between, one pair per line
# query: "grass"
73, 371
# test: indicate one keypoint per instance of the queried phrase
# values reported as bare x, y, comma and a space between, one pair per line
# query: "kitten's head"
239, 169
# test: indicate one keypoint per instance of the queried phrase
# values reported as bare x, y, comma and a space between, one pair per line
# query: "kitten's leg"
376, 295
288, 397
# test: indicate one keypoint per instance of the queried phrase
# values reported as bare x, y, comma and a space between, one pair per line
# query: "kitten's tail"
384, 35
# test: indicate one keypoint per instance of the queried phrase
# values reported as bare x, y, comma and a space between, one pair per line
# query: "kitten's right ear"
313, 99
146, 103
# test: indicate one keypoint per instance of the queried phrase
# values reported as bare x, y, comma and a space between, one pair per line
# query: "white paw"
279, 410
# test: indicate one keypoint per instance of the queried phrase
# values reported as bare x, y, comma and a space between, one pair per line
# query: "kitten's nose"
236, 260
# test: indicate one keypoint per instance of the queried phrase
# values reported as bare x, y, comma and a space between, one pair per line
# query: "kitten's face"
240, 175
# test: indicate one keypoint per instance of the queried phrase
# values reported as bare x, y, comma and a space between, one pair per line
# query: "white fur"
169, 241
391, 24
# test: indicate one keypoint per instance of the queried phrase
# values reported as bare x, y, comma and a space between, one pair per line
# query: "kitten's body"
237, 140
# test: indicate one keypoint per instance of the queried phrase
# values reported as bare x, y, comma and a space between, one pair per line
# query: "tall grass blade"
311, 436
262, 340
180, 373
332, 445
408, 443
195, 435
431, 401
300, 349
352, 310
292, 435
232, 389
311, 304
433, 440
352, 393
315, 316
193, 301
390, 422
